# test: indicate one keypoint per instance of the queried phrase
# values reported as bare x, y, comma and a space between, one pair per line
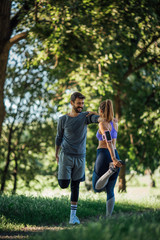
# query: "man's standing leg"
74, 201
78, 175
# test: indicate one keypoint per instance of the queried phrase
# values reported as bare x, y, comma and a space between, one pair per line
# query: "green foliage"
103, 49
140, 128
108, 50
29, 129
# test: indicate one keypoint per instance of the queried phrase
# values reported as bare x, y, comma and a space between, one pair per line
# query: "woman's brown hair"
107, 109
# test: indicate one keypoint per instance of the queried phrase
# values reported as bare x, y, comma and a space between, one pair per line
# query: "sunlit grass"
52, 208
137, 226
9, 225
37, 210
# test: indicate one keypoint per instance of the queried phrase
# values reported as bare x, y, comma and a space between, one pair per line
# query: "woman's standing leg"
110, 197
110, 190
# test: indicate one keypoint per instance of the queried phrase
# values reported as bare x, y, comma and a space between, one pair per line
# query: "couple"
71, 137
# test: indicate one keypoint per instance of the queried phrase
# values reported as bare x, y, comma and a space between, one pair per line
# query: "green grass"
48, 211
9, 225
144, 226
34, 210
43, 211
136, 215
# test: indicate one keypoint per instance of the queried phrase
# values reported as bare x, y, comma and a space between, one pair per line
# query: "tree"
28, 130
98, 47
142, 121
12, 13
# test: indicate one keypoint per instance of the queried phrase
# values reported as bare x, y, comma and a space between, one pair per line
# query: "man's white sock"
73, 210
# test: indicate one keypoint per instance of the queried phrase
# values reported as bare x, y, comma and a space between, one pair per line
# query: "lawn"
45, 216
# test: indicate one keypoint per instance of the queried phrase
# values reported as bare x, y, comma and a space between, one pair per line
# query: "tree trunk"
118, 105
5, 8
122, 179
15, 176
4, 174
7, 26
152, 183
3, 65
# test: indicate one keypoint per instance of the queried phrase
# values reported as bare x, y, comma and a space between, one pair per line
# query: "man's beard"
78, 109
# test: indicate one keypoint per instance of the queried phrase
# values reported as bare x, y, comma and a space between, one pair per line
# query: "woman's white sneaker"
103, 180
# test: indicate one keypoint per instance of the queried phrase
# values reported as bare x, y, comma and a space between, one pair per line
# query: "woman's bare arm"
103, 126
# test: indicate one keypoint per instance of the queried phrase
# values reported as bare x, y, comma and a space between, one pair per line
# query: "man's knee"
63, 183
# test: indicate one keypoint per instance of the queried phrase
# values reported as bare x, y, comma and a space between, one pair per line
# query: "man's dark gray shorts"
71, 167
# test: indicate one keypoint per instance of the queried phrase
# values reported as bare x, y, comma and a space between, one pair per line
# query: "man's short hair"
77, 95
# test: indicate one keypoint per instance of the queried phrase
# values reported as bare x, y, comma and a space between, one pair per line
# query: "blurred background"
104, 49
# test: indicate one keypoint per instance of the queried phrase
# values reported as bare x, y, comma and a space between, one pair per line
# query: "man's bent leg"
63, 183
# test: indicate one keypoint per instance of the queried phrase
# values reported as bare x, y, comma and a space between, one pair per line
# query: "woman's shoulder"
105, 125
115, 120
115, 124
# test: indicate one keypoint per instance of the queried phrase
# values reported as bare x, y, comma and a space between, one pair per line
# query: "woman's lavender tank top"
113, 133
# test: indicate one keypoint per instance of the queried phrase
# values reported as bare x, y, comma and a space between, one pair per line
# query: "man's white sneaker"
74, 220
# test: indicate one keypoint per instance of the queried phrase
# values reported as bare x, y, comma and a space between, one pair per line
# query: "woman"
107, 155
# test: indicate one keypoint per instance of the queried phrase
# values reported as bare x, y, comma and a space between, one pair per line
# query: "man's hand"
57, 159
100, 119
57, 152
90, 113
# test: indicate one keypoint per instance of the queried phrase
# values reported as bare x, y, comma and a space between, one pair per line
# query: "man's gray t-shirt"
72, 132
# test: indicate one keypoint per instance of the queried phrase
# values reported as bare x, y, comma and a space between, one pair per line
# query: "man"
71, 137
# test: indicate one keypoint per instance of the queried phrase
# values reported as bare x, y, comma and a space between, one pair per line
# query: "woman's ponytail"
109, 110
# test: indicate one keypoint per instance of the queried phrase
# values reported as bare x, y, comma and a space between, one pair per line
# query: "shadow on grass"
27, 232
41, 211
